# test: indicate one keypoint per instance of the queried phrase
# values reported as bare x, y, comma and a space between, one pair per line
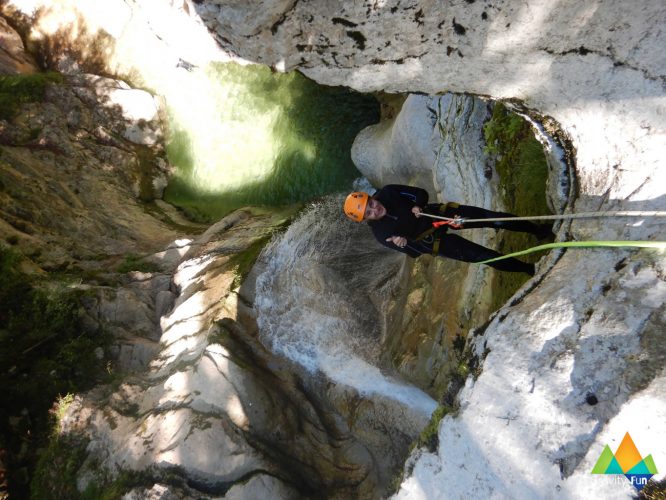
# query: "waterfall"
316, 303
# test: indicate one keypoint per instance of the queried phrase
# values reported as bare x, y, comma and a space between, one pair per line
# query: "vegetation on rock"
136, 263
19, 89
523, 171
45, 353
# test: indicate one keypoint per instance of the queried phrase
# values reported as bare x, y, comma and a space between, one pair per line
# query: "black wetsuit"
400, 221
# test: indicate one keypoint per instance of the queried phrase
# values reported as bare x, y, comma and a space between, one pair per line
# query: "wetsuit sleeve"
417, 195
413, 249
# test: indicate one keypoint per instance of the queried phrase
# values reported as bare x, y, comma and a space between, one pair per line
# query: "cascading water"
317, 303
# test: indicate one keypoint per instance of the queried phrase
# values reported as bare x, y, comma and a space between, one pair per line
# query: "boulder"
14, 60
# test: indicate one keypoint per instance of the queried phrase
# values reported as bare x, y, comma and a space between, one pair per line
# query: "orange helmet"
355, 205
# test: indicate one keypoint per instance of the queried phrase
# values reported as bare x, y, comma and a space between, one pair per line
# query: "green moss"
242, 262
136, 263
44, 352
523, 172
18, 89
429, 435
56, 474
113, 489
521, 163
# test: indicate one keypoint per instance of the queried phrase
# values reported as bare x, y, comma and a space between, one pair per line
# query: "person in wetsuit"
394, 216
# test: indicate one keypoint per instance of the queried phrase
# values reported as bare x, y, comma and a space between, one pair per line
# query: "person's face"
374, 210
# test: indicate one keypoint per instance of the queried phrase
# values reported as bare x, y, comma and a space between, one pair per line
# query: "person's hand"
399, 241
416, 211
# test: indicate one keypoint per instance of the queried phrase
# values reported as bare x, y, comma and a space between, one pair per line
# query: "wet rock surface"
221, 412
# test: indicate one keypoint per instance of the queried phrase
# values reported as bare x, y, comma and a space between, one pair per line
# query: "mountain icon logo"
626, 461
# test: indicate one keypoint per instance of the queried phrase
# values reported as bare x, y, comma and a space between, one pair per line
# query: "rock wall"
80, 161
574, 63
77, 167
82, 171
592, 75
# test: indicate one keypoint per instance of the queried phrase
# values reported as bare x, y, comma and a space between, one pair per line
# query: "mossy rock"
19, 89
46, 353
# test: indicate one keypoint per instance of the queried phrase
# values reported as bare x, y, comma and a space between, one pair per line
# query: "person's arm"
403, 245
417, 195
389, 240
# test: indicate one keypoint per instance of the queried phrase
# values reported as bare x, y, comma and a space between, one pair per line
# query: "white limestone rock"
260, 486
433, 142
404, 147
156, 492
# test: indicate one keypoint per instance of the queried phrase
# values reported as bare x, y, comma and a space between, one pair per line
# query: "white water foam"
313, 307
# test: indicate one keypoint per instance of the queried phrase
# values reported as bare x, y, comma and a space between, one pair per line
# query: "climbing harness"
428, 237
458, 222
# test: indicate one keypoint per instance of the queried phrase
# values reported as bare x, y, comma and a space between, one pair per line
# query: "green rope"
581, 244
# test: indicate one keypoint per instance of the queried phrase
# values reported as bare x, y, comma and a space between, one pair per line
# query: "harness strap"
435, 245
437, 239
430, 234
426, 233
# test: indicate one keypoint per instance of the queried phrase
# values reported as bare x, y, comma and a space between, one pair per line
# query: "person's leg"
472, 212
458, 248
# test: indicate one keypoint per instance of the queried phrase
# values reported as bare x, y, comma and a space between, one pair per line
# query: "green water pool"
247, 136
